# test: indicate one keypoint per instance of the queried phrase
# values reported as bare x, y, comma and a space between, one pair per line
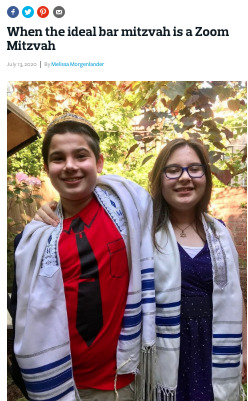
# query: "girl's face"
183, 193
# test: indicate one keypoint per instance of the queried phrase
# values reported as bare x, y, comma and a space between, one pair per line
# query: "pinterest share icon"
42, 12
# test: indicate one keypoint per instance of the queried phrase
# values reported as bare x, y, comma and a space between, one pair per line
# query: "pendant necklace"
182, 234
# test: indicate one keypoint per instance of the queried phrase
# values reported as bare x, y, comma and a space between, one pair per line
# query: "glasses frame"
185, 169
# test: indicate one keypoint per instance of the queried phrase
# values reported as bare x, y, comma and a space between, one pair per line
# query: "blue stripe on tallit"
227, 350
133, 306
149, 270
168, 321
226, 365
130, 321
177, 335
148, 285
129, 337
227, 335
48, 384
56, 397
169, 305
148, 300
49, 366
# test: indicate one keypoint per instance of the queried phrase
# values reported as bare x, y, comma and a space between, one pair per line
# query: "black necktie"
89, 307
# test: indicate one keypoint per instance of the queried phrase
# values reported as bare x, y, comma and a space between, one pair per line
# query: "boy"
85, 315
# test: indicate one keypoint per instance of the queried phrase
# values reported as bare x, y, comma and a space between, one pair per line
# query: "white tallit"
42, 344
227, 312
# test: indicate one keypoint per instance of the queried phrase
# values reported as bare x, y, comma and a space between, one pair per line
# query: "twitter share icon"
12, 12
27, 12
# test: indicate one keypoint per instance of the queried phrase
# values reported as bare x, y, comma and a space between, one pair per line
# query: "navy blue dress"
195, 371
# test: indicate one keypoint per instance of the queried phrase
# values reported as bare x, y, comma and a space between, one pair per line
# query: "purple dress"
195, 370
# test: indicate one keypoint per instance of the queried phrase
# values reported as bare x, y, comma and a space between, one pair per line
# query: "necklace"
182, 234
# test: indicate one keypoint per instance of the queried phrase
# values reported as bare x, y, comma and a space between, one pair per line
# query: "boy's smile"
72, 167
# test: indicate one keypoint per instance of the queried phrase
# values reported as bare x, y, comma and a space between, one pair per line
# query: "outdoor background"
134, 121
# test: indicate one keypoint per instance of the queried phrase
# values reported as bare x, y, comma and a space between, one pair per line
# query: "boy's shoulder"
114, 181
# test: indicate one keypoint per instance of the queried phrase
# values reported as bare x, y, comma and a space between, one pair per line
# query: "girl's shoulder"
221, 221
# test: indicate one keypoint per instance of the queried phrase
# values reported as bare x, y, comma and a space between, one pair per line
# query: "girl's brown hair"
161, 210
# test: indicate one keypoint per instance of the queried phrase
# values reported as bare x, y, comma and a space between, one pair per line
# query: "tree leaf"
173, 89
194, 135
211, 93
219, 145
233, 104
145, 160
207, 113
132, 149
244, 157
222, 175
219, 120
188, 121
225, 93
214, 156
192, 100
228, 133
148, 139
175, 103
28, 200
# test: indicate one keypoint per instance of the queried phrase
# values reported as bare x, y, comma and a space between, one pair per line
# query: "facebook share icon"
12, 12
27, 12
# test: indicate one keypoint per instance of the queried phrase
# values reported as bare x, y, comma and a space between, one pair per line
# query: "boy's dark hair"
76, 125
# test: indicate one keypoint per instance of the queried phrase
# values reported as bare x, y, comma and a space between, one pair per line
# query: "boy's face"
72, 166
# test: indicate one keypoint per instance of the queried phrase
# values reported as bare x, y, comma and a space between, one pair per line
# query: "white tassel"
243, 396
165, 394
147, 369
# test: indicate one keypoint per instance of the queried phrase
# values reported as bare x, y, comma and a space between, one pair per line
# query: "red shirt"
95, 273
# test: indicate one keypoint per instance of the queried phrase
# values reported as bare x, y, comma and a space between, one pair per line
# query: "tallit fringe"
145, 388
242, 393
165, 394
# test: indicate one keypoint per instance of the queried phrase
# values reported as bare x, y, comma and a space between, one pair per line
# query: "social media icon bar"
59, 12
13, 12
42, 12
28, 12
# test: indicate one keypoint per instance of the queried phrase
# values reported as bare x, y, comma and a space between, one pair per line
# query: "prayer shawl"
227, 312
42, 344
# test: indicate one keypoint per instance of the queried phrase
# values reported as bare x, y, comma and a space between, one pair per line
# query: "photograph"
126, 240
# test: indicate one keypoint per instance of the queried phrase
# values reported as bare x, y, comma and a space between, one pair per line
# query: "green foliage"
136, 118
27, 160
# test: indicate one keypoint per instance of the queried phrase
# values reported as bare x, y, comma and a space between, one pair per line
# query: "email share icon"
59, 12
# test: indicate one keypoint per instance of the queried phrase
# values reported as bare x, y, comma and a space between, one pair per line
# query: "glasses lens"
173, 171
196, 170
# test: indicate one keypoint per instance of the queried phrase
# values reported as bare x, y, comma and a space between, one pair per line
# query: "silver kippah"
75, 118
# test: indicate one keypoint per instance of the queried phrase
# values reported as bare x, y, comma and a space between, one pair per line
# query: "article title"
51, 32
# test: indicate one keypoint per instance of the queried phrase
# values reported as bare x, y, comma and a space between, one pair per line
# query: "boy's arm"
46, 214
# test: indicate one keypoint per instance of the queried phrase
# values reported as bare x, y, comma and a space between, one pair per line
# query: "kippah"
75, 118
